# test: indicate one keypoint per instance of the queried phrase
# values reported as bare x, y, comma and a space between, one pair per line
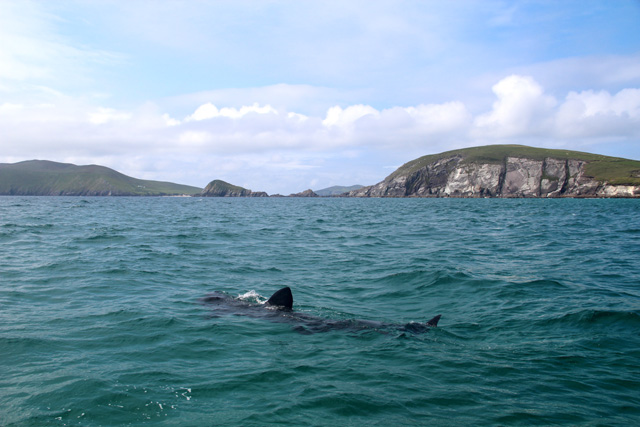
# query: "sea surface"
103, 320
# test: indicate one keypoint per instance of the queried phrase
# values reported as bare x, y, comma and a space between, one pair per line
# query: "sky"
282, 96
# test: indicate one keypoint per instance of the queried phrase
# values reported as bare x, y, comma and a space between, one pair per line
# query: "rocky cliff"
510, 171
219, 188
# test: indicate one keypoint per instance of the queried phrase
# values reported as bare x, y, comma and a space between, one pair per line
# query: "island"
219, 188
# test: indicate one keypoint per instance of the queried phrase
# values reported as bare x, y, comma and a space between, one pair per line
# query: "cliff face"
452, 176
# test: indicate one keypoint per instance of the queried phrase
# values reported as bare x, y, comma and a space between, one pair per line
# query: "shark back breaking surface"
279, 308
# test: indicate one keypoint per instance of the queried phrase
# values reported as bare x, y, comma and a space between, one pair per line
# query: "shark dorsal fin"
434, 322
282, 298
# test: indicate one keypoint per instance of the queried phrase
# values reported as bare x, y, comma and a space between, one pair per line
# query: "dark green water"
101, 320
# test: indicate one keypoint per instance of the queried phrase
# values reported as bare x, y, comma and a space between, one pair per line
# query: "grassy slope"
603, 168
38, 177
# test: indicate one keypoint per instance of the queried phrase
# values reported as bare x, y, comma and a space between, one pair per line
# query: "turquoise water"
102, 320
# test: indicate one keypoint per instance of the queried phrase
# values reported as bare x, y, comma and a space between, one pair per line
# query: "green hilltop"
46, 178
614, 170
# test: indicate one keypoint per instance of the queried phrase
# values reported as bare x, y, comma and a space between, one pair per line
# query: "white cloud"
590, 103
297, 116
436, 118
210, 111
590, 114
204, 112
523, 112
397, 126
104, 115
169, 121
522, 109
194, 138
336, 116
566, 74
8, 107
302, 99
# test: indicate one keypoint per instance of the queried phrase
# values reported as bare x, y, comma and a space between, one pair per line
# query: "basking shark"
279, 308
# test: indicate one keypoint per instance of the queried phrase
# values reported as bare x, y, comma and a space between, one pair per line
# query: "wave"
423, 278
632, 231
25, 228
101, 237
595, 317
532, 289
25, 343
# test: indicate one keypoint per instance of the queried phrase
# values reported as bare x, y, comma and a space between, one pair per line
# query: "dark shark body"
279, 308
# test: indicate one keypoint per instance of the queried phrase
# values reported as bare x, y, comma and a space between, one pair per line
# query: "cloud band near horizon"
521, 111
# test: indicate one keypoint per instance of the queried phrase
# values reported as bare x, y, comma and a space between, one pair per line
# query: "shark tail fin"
282, 298
434, 322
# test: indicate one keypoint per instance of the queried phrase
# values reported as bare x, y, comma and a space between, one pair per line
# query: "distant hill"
46, 178
336, 190
510, 171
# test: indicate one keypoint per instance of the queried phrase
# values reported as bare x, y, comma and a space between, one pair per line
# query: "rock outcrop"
219, 188
306, 193
463, 174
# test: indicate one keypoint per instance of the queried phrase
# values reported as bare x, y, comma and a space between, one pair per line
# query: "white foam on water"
188, 390
252, 296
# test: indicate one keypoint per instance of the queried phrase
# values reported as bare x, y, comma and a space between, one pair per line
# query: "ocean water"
102, 320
